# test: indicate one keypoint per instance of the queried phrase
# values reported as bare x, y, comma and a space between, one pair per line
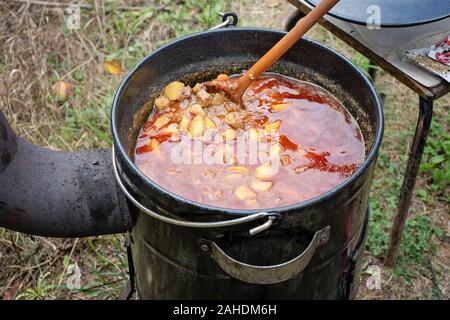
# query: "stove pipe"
57, 194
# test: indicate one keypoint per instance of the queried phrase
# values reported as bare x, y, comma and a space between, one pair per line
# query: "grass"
37, 50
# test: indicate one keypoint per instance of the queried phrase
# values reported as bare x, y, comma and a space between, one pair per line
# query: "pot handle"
229, 19
265, 274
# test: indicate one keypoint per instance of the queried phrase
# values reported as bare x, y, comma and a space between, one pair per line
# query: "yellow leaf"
62, 90
273, 3
114, 67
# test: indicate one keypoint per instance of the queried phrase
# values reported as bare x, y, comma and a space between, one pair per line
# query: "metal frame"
409, 180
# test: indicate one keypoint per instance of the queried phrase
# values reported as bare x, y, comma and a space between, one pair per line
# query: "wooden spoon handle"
284, 44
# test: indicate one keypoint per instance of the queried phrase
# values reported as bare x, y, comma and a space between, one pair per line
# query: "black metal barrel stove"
187, 250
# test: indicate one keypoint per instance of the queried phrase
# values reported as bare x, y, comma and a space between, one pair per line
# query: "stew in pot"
286, 142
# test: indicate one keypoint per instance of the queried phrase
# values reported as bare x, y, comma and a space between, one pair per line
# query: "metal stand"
409, 180
426, 97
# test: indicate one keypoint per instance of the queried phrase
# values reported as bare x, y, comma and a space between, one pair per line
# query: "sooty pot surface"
179, 262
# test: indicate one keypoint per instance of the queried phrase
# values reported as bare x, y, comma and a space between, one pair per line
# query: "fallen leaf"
273, 3
194, 12
62, 90
114, 67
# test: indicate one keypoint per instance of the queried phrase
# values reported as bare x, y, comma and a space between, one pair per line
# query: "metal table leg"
372, 73
412, 169
293, 19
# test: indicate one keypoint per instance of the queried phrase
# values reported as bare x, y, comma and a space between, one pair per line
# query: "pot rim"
242, 212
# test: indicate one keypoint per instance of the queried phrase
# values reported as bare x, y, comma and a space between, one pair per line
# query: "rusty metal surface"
58, 194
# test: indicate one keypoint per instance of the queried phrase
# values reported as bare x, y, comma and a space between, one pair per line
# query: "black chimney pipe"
57, 194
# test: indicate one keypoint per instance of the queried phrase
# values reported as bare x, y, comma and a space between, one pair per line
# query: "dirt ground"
38, 50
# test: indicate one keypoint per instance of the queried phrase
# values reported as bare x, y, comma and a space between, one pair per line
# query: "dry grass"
37, 50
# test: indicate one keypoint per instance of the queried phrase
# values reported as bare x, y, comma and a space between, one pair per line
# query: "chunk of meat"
204, 98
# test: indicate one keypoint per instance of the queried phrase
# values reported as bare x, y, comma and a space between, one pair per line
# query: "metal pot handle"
270, 216
265, 274
229, 19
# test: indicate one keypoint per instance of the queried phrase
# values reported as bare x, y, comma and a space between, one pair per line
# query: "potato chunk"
239, 169
229, 134
162, 121
209, 123
197, 88
265, 171
154, 145
197, 127
162, 102
184, 124
272, 126
253, 134
232, 177
174, 132
280, 107
259, 185
244, 193
197, 109
275, 151
234, 120
173, 90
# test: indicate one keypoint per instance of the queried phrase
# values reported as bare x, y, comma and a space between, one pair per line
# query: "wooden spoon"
235, 88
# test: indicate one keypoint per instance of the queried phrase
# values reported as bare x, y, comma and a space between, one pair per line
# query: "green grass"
191, 16
435, 162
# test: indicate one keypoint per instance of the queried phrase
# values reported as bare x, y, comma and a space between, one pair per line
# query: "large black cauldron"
186, 250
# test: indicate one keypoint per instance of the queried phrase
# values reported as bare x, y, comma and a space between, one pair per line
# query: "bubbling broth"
287, 142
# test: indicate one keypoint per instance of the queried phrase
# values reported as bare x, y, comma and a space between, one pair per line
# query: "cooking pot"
188, 250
